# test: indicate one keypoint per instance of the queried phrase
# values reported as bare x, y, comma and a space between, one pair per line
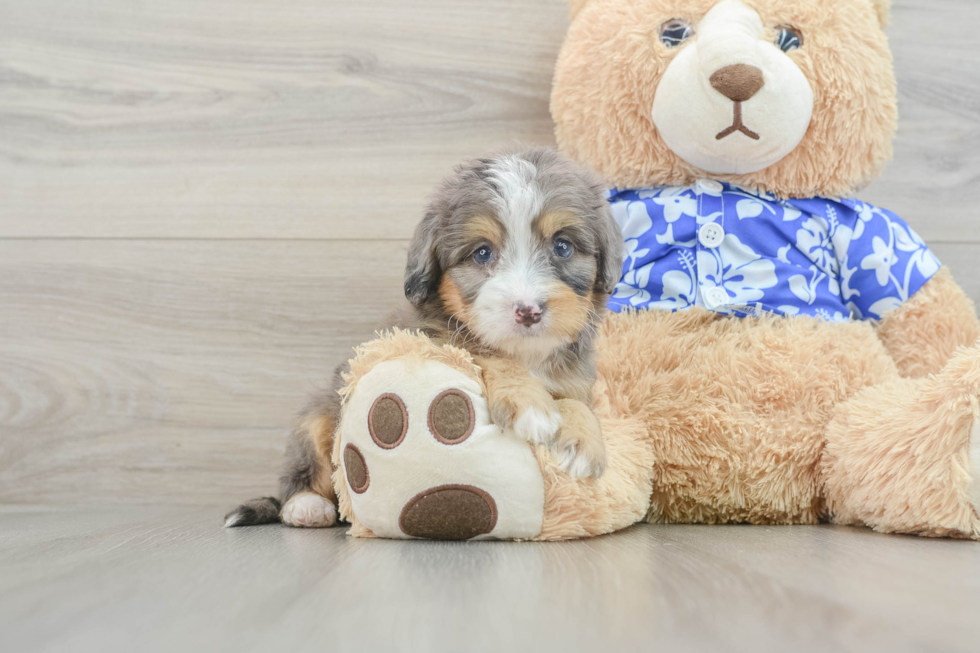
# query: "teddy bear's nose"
738, 82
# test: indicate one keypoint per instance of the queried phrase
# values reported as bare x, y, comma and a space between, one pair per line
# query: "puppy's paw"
530, 411
538, 425
579, 448
580, 458
309, 510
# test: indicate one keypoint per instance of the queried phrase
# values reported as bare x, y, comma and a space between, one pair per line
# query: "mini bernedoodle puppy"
513, 261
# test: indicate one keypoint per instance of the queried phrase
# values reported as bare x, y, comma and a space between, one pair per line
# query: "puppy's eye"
788, 38
563, 248
674, 32
483, 255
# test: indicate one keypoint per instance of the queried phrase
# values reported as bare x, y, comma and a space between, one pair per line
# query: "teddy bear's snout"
738, 82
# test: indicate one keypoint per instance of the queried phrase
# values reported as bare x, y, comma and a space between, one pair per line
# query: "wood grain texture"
204, 204
223, 119
131, 370
138, 371
264, 119
121, 579
932, 181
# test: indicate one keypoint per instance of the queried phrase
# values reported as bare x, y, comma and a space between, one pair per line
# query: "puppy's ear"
422, 273
611, 251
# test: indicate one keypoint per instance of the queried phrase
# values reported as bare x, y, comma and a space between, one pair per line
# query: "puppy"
514, 261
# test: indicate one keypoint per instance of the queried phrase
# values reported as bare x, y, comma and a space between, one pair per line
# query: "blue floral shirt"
741, 252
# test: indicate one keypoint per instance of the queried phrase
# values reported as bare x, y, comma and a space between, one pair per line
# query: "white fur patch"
537, 426
309, 510
522, 275
233, 520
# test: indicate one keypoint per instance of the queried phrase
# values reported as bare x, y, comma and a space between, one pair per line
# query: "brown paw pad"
449, 512
357, 470
451, 417
388, 421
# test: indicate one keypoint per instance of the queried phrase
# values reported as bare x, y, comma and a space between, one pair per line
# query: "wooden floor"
205, 203
152, 579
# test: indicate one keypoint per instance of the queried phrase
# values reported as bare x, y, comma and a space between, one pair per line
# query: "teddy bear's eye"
788, 38
675, 31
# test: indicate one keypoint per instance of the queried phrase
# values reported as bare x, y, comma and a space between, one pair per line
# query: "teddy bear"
778, 352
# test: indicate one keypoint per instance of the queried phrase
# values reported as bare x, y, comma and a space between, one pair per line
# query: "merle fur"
435, 247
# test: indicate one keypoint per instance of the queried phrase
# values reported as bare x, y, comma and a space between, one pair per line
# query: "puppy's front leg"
519, 401
579, 447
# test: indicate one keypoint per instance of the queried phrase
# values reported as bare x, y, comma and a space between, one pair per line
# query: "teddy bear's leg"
904, 456
576, 508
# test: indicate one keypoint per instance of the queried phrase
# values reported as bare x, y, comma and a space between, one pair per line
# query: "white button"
711, 235
715, 297
710, 186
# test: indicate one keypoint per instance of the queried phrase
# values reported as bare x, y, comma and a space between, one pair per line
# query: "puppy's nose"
527, 315
738, 82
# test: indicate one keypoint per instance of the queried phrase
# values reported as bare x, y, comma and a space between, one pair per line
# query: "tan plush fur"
737, 408
576, 508
923, 335
607, 74
896, 455
883, 8
760, 420
777, 420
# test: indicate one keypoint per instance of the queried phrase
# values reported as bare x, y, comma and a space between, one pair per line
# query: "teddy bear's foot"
309, 510
419, 457
905, 456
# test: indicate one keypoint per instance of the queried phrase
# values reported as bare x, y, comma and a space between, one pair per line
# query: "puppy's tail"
264, 510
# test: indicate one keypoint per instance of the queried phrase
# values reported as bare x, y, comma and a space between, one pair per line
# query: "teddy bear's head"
796, 97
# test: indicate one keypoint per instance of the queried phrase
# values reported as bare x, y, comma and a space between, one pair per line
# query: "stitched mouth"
738, 126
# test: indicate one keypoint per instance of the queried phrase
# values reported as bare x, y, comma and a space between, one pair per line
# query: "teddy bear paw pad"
422, 460
449, 512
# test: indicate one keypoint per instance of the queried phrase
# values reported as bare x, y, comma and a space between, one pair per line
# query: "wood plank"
141, 371
961, 258
334, 119
271, 119
119, 579
131, 370
934, 173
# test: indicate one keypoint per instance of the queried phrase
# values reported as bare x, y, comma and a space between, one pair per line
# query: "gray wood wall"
205, 203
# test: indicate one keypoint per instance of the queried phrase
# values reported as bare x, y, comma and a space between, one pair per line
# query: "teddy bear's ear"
574, 6
883, 7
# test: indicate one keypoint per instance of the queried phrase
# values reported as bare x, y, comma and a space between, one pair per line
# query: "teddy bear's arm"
922, 334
